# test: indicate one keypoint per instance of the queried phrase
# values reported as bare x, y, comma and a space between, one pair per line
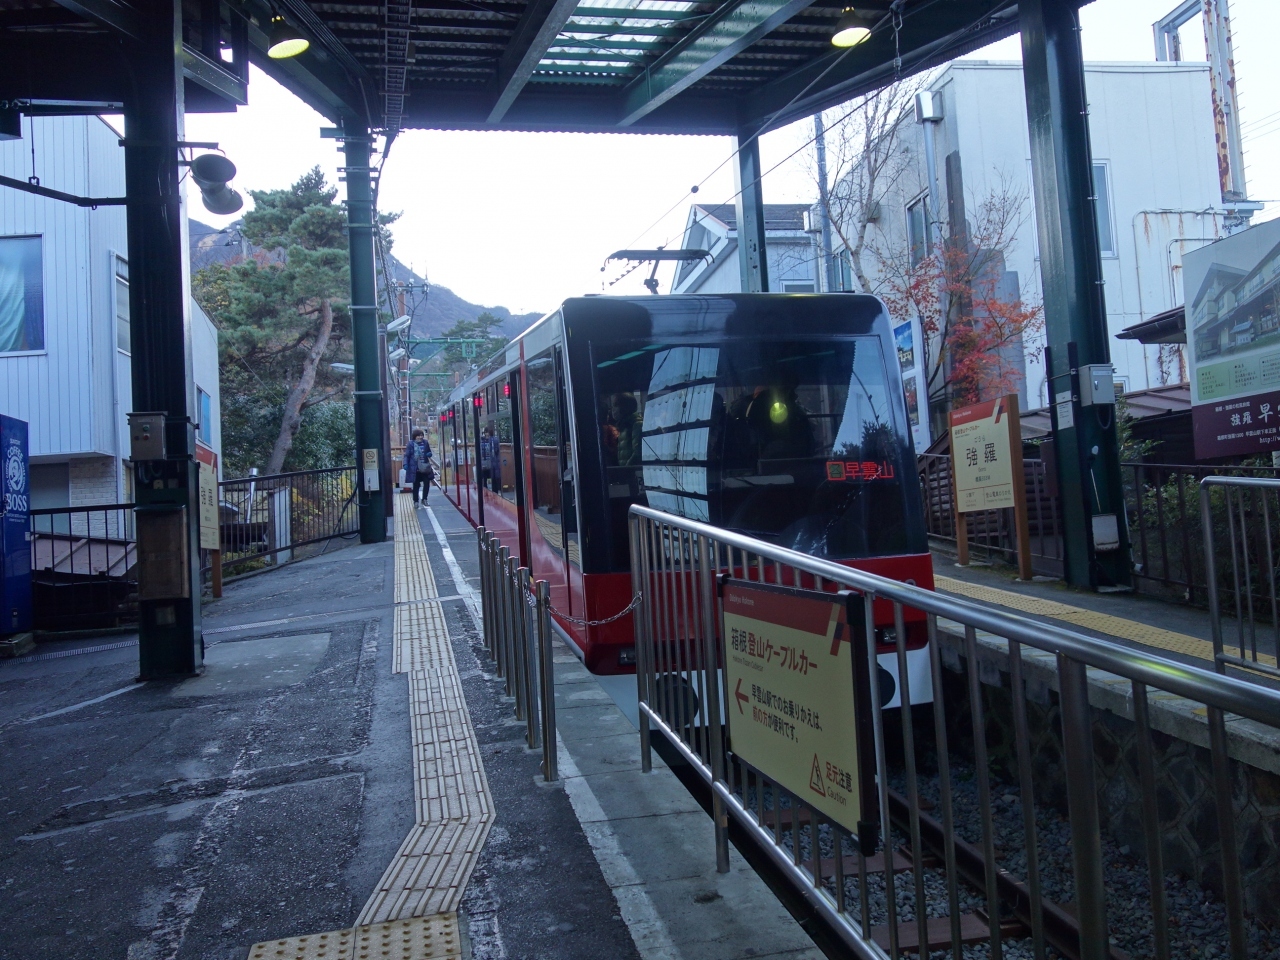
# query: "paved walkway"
346, 780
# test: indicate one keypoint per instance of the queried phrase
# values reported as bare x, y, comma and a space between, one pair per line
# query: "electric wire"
894, 18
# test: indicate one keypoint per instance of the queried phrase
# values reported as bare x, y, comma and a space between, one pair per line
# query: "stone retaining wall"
1184, 785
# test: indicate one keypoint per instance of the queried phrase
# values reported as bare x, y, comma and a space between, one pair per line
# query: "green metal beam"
715, 41
1071, 276
536, 31
369, 401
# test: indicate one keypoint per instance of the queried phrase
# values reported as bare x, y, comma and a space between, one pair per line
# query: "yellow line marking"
1113, 626
411, 914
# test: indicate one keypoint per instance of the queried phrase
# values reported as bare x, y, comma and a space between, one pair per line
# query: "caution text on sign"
796, 669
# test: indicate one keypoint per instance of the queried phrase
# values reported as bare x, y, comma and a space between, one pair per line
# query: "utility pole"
824, 204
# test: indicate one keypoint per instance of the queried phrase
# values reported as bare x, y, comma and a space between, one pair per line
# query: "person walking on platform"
417, 467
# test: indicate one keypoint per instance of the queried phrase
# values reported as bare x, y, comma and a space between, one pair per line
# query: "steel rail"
1203, 686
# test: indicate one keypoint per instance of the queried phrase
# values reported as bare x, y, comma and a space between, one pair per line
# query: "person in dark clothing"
417, 466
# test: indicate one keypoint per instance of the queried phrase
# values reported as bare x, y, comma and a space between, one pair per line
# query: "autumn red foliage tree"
972, 314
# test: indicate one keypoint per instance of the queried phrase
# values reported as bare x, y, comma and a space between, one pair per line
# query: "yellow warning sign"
795, 662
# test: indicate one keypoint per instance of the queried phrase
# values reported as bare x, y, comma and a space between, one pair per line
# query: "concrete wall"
76, 392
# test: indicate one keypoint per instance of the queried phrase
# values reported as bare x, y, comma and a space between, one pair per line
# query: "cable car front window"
794, 442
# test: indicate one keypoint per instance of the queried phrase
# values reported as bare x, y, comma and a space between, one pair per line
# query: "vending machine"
15, 551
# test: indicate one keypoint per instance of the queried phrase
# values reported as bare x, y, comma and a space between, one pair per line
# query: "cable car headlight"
778, 412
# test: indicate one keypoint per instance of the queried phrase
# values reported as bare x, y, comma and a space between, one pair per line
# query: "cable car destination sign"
799, 696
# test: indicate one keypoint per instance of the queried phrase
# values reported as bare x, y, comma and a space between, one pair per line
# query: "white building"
1156, 175
64, 316
714, 228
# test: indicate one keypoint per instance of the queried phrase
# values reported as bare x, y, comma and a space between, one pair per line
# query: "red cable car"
781, 417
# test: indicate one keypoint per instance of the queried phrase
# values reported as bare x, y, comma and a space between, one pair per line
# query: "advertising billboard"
1233, 343
911, 362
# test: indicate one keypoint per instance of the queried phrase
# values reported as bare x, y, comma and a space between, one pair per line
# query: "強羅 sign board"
798, 697
1232, 290
982, 455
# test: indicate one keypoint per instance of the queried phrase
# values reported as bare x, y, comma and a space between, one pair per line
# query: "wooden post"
1019, 490
962, 521
215, 560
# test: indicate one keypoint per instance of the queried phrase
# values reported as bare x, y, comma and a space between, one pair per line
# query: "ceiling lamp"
285, 41
851, 29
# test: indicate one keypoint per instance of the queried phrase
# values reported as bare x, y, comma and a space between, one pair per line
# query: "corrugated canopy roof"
675, 66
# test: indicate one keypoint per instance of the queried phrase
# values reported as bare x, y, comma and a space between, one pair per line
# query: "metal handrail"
1227, 693
679, 652
1260, 487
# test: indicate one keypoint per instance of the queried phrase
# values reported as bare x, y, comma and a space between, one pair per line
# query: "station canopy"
642, 66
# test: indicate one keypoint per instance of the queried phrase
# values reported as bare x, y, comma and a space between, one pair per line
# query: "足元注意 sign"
982, 455
798, 696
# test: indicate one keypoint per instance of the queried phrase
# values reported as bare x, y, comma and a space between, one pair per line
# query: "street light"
396, 354
400, 323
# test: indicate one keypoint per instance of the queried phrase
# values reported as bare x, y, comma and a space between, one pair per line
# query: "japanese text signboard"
1233, 335
799, 701
208, 464
982, 455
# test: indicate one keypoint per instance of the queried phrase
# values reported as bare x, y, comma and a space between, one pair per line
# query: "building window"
122, 304
21, 295
205, 405
797, 286
1102, 207
918, 230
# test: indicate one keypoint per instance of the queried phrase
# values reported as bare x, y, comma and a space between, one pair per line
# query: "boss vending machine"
15, 551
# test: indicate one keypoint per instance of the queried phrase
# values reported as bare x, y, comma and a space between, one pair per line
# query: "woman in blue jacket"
417, 466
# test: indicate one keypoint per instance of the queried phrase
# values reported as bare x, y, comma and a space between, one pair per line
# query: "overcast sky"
524, 220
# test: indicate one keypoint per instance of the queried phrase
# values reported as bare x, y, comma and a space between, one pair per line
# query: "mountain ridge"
432, 315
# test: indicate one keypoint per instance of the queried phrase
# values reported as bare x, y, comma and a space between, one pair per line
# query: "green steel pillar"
752, 258
372, 470
1071, 277
167, 488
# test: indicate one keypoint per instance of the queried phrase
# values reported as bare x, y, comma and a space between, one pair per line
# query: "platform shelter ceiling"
643, 66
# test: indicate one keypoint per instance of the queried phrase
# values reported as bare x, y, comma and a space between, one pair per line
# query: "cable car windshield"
793, 442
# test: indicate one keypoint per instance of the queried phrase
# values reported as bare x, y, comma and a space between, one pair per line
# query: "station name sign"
799, 697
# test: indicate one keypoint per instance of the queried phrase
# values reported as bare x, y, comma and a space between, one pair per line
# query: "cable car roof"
643, 66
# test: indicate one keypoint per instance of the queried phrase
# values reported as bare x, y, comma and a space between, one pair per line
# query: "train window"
503, 467
794, 442
551, 449
544, 447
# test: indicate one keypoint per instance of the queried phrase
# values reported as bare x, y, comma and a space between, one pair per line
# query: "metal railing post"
711, 704
482, 558
1082, 809
640, 575
550, 760
503, 611
1211, 576
529, 661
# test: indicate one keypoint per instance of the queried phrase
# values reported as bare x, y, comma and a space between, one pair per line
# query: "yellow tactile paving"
1113, 626
421, 638
418, 938
411, 912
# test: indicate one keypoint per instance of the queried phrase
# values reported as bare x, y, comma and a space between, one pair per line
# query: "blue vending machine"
15, 551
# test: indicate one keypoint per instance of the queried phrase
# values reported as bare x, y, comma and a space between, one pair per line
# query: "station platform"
345, 780
1173, 630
